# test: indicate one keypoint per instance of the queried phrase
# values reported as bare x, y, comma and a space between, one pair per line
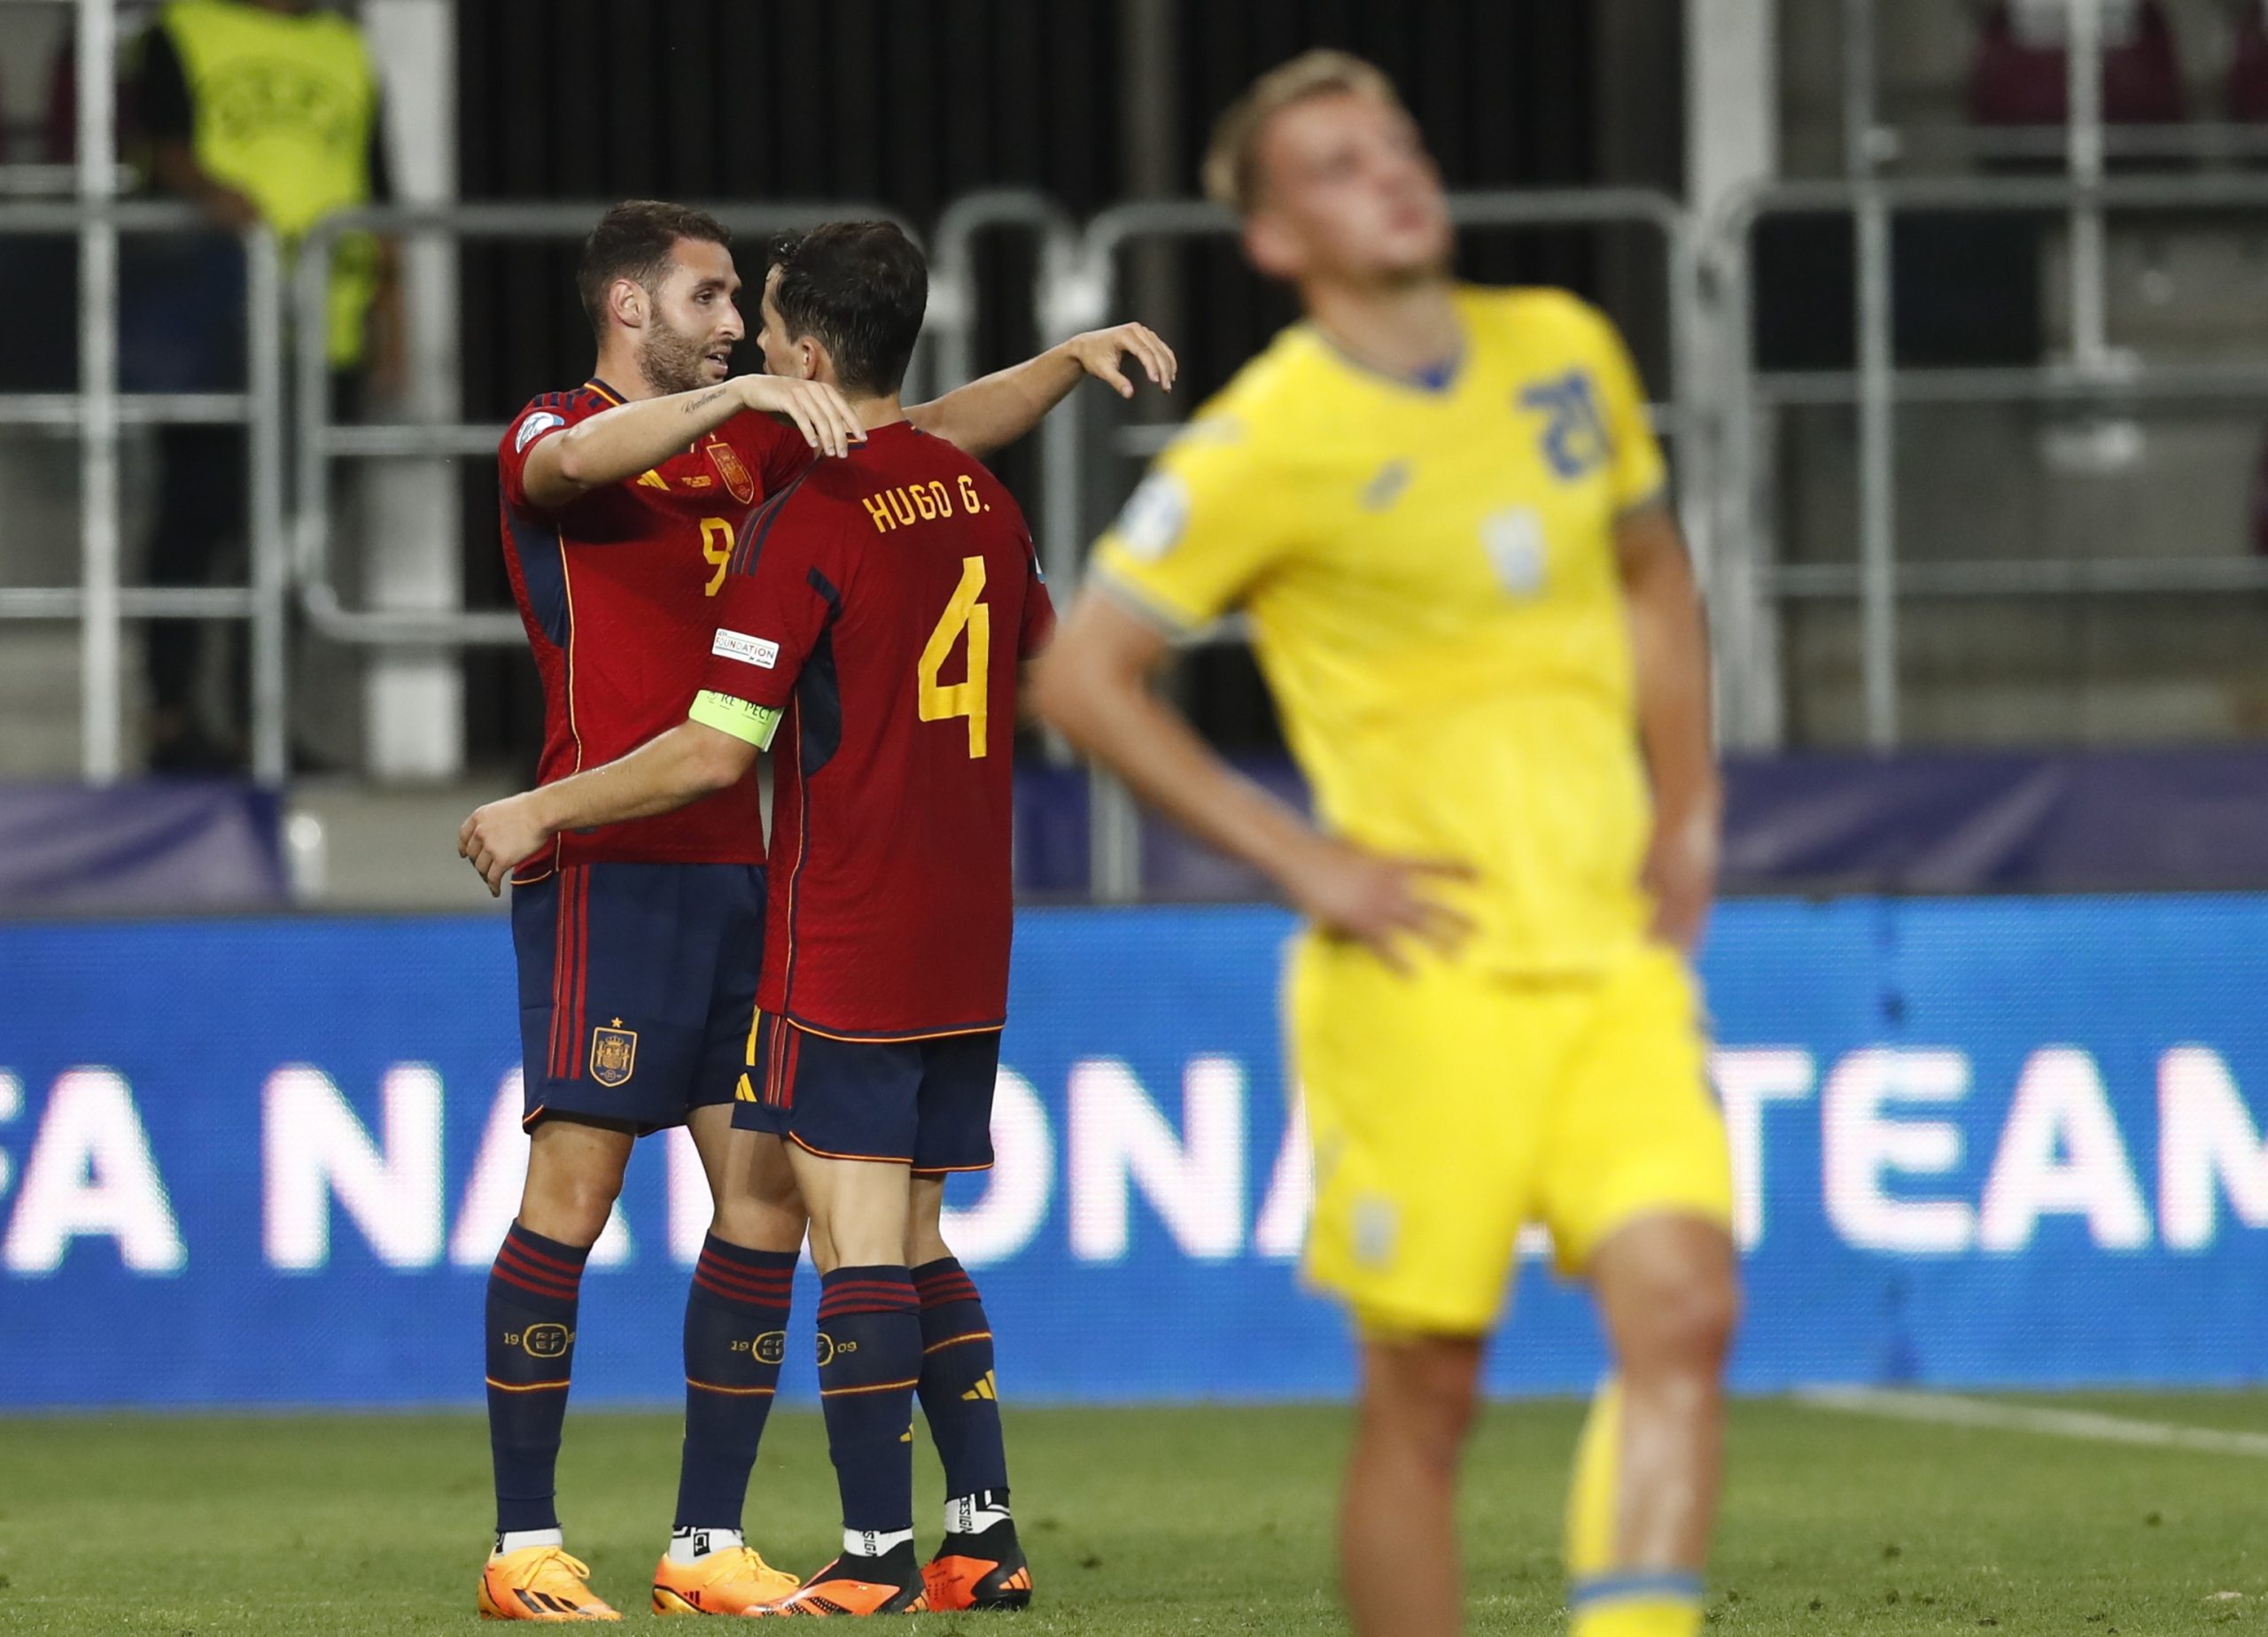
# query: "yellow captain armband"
751, 724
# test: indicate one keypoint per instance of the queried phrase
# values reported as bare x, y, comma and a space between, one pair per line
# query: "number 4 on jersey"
941, 701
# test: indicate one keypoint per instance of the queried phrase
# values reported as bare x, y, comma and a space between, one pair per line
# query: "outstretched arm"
630, 437
995, 411
666, 772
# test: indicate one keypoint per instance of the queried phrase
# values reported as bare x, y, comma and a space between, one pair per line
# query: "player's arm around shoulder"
568, 460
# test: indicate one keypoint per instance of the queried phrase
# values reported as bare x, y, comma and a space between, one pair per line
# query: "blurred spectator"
255, 110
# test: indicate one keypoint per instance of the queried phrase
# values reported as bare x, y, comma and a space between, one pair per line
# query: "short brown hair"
1232, 172
632, 241
861, 289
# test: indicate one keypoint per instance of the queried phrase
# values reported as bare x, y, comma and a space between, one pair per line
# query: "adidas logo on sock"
987, 1387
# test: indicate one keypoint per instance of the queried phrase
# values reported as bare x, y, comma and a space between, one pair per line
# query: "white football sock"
975, 1514
874, 1542
516, 1540
690, 1546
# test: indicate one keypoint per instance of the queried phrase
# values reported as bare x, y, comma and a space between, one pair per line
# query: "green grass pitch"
1149, 1521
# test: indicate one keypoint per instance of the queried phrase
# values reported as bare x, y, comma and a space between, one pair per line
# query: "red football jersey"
615, 590
884, 602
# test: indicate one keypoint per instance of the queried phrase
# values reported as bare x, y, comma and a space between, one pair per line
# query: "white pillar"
102, 651
1732, 98
1732, 141
413, 534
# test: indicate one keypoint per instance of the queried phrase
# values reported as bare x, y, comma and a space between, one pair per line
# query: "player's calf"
1647, 1470
735, 1337
1397, 1517
980, 1565
533, 1295
869, 1359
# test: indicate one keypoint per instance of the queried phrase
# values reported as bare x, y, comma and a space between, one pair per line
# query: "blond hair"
1231, 171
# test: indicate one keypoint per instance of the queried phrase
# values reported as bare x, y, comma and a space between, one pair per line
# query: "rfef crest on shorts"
729, 467
614, 1054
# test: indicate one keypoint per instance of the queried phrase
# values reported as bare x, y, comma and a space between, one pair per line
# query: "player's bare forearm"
1669, 637
1670, 650
994, 411
668, 771
633, 438
1094, 686
624, 441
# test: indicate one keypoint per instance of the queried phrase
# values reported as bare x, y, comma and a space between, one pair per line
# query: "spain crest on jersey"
614, 1054
729, 467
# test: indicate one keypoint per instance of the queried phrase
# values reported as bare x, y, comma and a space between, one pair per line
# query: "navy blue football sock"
735, 1335
532, 1292
869, 1359
961, 1394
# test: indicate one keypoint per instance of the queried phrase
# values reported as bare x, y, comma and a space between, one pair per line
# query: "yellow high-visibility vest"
283, 107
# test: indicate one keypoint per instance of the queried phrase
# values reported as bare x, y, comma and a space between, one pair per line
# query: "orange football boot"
734, 1580
539, 1583
984, 1570
891, 1584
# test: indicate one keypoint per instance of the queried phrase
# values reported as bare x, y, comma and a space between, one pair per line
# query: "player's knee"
1423, 1396
1688, 1328
1430, 1432
569, 1206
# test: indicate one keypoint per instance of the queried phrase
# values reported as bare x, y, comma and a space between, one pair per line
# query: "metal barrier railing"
320, 440
1059, 310
951, 331
1717, 399
1090, 292
1747, 619
99, 411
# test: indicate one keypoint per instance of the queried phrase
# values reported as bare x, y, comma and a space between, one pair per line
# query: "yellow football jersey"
1432, 584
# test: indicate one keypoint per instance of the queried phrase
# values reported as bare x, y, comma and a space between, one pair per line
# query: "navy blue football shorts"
927, 1103
637, 988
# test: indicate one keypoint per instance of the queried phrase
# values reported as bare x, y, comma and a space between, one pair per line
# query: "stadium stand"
1982, 987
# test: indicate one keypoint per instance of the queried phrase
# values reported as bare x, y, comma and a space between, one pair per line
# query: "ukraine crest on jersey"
1430, 578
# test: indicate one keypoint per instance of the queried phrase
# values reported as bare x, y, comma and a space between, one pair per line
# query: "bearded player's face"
688, 341
1347, 193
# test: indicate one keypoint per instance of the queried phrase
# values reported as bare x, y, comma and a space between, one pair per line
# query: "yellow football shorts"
1451, 1107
